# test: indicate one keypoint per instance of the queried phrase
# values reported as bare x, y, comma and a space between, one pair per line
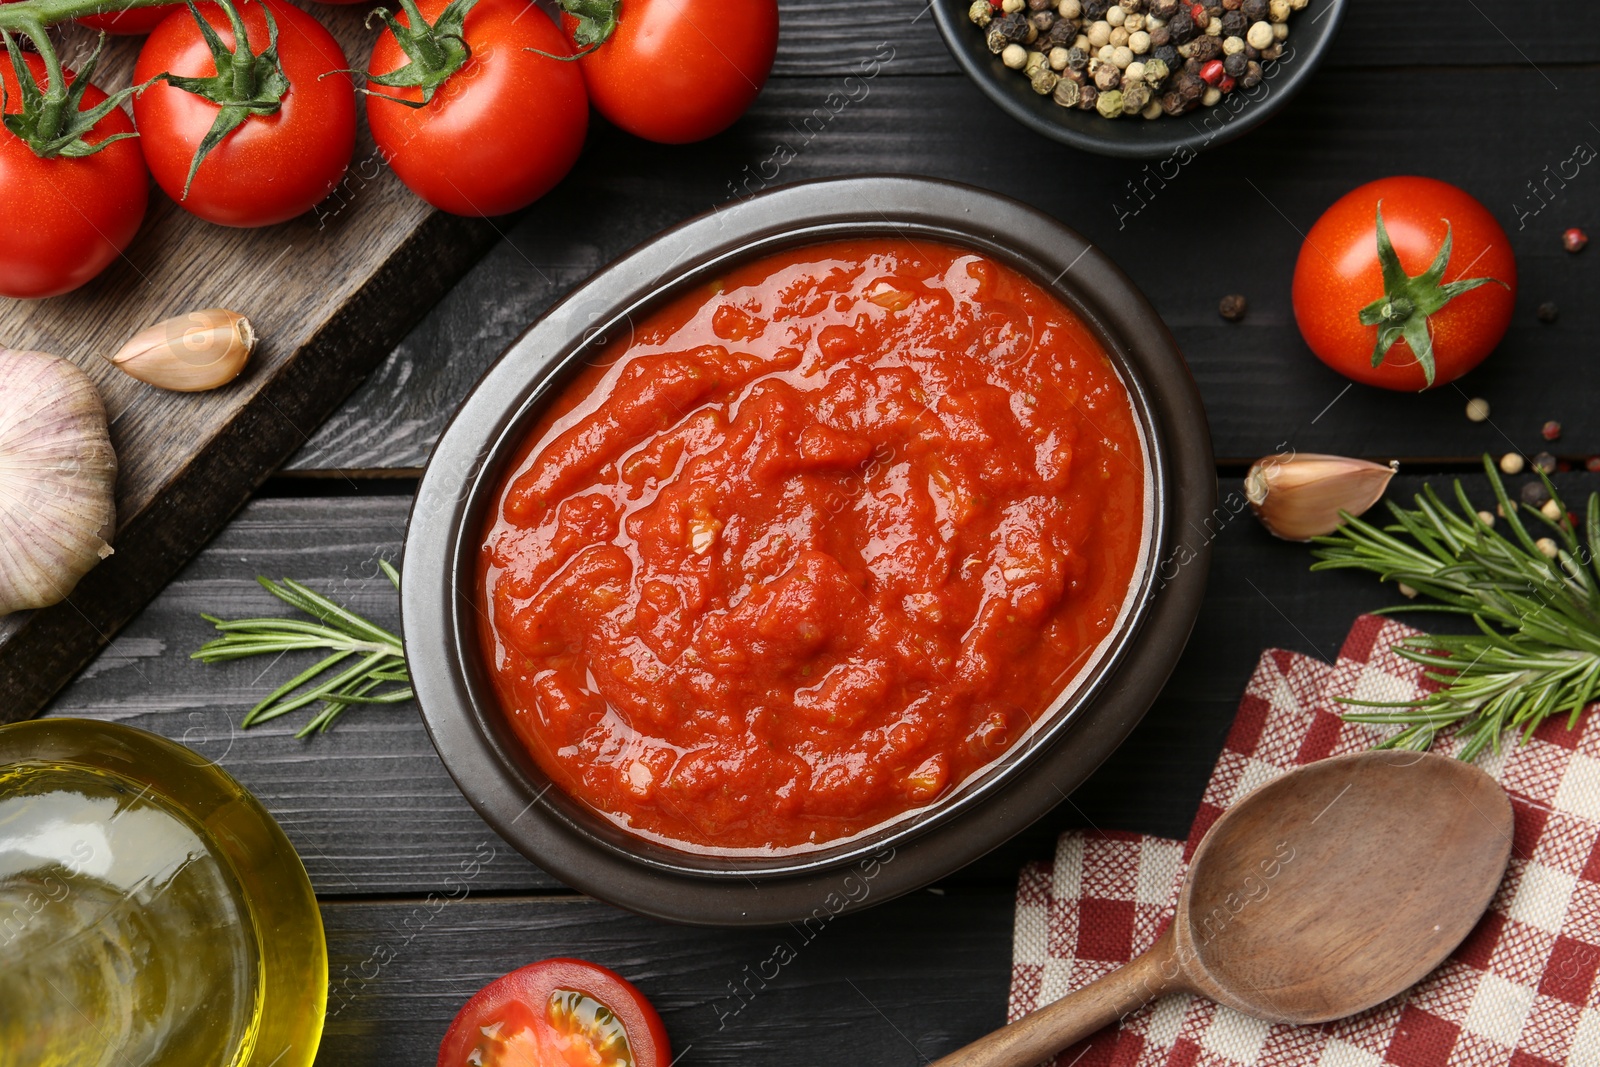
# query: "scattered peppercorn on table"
423, 903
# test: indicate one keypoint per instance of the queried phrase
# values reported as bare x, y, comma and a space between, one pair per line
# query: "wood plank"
1229, 221
372, 810
329, 293
913, 980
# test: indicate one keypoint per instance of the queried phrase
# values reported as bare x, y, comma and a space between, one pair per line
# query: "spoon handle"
1041, 1034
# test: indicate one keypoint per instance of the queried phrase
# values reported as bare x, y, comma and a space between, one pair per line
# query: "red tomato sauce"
824, 540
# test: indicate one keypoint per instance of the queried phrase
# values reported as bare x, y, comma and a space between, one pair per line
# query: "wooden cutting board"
330, 295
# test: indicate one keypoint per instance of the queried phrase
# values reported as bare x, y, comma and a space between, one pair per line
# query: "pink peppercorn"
1574, 239
1212, 73
1200, 15
1551, 430
1226, 84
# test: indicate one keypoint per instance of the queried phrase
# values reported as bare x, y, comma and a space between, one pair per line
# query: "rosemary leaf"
1536, 652
332, 681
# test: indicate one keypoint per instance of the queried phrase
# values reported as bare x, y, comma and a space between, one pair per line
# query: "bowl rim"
439, 612
1141, 139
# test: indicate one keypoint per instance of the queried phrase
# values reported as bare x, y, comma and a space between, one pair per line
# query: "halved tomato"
557, 1013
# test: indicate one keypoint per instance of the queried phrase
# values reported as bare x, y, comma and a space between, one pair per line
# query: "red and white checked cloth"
1520, 992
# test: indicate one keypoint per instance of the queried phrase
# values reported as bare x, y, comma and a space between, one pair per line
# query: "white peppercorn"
1058, 57
1212, 95
1105, 53
1477, 409
1015, 56
1133, 23
1122, 57
1548, 547
1069, 9
1082, 42
1133, 72
1115, 17
1010, 6
1232, 45
1214, 28
1280, 30
1260, 35
1278, 10
1552, 511
1152, 110
1099, 33
1139, 42
1119, 37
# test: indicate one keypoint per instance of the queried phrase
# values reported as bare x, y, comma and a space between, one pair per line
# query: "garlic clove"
1299, 497
57, 479
190, 353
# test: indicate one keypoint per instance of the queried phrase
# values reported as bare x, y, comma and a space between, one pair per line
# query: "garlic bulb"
1300, 497
57, 479
189, 353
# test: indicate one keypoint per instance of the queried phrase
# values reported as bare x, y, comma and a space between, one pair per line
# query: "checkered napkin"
1520, 992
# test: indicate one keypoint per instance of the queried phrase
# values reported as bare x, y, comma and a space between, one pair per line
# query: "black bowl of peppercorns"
1139, 78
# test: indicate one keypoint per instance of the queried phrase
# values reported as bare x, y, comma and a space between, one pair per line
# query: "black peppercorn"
1039, 5
1168, 55
1165, 9
1544, 461
1077, 59
1232, 307
1192, 66
1207, 48
1252, 75
1190, 86
1235, 65
1094, 10
1181, 27
1043, 21
1172, 102
1014, 27
1534, 494
1160, 36
1255, 10
1273, 51
996, 38
1087, 98
1108, 77
1548, 312
1252, 52
1063, 33
1234, 24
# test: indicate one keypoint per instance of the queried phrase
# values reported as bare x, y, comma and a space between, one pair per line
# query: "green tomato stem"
32, 14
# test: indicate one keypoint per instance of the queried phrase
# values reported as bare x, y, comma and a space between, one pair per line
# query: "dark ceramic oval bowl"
1311, 32
457, 496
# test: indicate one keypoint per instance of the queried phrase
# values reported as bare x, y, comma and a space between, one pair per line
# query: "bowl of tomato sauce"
809, 551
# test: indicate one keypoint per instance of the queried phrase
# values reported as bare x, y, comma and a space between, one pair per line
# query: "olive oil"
151, 912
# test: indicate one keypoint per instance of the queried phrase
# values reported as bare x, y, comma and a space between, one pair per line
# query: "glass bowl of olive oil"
151, 910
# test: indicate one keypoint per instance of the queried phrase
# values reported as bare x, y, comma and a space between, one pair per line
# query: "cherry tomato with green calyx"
557, 1013
470, 107
255, 125
73, 186
673, 71
1405, 283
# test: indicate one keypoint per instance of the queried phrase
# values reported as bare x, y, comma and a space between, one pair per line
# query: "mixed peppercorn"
1136, 57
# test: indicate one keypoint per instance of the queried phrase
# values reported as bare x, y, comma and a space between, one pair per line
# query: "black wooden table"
424, 903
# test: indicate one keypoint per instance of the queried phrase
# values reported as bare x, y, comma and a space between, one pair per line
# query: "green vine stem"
32, 16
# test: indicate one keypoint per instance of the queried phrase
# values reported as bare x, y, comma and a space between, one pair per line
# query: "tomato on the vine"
1405, 283
287, 131
674, 71
135, 22
65, 218
469, 107
558, 1013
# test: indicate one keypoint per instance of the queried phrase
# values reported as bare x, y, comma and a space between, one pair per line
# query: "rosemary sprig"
1537, 649
334, 681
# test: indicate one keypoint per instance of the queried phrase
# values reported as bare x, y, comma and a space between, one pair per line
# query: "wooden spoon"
1321, 894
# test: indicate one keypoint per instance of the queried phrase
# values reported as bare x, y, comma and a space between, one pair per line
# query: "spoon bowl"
1318, 895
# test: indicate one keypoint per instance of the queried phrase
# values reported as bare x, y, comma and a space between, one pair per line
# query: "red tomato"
62, 221
273, 167
558, 1013
677, 71
134, 23
1339, 276
502, 131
